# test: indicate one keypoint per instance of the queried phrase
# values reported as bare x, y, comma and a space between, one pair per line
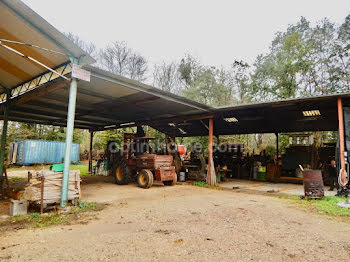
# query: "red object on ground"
182, 149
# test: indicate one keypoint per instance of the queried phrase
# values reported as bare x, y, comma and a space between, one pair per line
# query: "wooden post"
42, 195
3, 140
277, 146
210, 151
341, 139
90, 151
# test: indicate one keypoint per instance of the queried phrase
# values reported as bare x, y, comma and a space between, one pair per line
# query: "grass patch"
84, 206
83, 169
16, 179
36, 220
327, 205
203, 184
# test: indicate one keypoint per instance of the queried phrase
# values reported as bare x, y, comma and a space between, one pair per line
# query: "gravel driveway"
184, 223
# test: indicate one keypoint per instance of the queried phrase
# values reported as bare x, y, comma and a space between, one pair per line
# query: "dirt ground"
184, 223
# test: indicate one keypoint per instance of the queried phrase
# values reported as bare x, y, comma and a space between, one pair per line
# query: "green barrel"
262, 173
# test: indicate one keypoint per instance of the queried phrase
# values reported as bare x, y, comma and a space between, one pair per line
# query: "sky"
216, 32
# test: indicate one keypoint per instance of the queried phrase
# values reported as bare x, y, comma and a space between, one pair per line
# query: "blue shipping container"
28, 152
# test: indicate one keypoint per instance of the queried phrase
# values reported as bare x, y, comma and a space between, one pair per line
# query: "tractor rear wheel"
121, 173
145, 178
171, 182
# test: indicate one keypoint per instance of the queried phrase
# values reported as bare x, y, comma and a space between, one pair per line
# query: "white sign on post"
79, 73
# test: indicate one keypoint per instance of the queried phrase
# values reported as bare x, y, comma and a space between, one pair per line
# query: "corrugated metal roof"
112, 101
107, 100
19, 23
267, 117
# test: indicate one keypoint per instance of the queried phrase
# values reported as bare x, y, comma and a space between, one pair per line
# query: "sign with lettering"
79, 73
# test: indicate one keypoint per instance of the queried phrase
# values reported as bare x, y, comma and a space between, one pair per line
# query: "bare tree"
137, 66
167, 77
89, 48
118, 58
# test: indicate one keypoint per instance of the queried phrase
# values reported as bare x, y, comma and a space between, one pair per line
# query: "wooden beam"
204, 124
341, 139
90, 151
210, 151
277, 146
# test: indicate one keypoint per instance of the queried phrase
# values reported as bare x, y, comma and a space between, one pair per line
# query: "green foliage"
34, 215
15, 179
207, 88
304, 61
213, 86
102, 138
49, 219
327, 205
84, 205
83, 169
37, 220
203, 184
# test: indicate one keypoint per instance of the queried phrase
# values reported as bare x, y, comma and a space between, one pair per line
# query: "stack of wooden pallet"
50, 184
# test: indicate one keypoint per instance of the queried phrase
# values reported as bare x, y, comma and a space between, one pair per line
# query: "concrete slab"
264, 187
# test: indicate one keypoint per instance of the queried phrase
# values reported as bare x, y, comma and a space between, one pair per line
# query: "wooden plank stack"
52, 183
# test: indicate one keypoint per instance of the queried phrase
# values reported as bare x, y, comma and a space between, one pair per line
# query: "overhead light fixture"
182, 131
312, 113
231, 119
171, 124
126, 124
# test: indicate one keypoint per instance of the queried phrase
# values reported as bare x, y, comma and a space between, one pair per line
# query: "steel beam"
69, 138
37, 93
163, 120
24, 119
50, 115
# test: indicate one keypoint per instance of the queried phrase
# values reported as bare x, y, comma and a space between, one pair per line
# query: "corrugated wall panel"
43, 152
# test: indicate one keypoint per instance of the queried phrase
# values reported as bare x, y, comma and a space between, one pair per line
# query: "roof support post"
277, 146
3, 140
90, 151
69, 137
341, 140
211, 176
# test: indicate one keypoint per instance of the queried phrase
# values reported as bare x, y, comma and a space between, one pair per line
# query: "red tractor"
137, 162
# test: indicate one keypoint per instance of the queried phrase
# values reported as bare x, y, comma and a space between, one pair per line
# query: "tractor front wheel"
121, 173
145, 178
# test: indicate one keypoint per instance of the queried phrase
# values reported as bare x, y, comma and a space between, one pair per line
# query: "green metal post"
69, 139
3, 139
